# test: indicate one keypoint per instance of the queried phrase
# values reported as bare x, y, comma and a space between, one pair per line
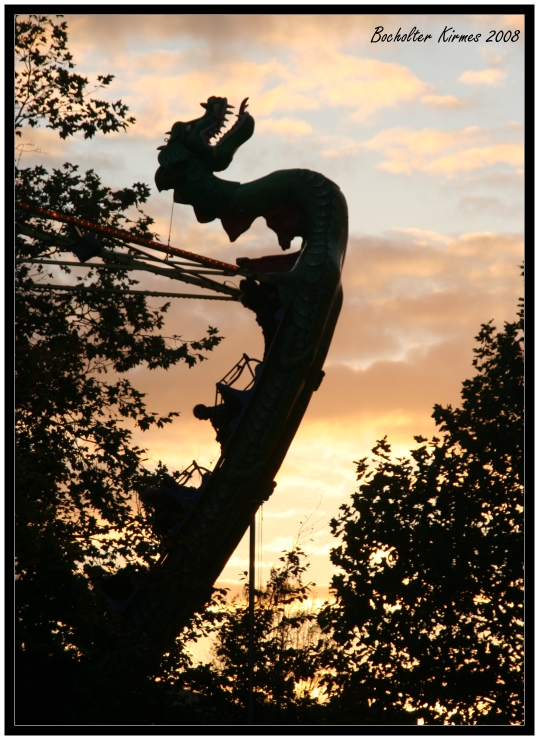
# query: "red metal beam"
128, 237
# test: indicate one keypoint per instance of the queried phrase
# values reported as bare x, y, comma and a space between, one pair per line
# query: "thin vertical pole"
251, 656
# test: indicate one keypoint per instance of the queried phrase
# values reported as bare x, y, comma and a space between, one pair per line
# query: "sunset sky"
425, 139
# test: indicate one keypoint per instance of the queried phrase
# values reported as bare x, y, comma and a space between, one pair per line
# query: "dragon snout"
221, 109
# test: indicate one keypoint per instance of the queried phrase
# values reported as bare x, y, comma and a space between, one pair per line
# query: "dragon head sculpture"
202, 137
197, 149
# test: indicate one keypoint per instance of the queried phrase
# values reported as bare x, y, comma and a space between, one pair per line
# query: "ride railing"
120, 250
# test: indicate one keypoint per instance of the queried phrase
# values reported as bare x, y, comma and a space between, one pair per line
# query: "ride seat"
187, 496
241, 396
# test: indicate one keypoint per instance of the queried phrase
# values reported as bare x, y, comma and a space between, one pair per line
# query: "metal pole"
251, 656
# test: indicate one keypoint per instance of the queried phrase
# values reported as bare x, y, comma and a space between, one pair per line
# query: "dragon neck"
197, 186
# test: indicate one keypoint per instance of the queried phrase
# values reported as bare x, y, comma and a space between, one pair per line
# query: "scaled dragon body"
297, 307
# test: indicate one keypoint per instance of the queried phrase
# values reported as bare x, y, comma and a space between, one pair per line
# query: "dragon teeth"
214, 131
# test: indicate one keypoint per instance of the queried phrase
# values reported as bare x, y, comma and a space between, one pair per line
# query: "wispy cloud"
364, 85
162, 86
491, 77
443, 101
434, 151
288, 127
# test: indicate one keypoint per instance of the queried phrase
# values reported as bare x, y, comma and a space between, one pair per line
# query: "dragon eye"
188, 128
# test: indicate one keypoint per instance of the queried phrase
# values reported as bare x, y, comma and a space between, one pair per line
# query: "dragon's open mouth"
221, 115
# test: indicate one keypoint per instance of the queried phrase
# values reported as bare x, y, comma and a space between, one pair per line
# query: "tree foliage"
288, 649
429, 593
46, 91
78, 472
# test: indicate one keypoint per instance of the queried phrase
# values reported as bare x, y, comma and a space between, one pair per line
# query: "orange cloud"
413, 304
311, 71
477, 158
443, 101
492, 77
284, 126
444, 152
309, 82
414, 301
362, 84
225, 31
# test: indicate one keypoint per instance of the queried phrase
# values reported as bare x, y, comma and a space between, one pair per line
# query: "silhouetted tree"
77, 470
429, 606
47, 92
288, 649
